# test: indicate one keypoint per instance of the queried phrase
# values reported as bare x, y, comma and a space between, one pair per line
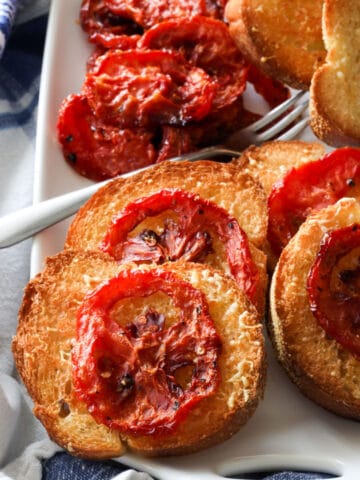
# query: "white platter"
287, 432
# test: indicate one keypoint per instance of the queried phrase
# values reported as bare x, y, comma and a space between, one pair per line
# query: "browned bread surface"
335, 88
42, 350
320, 367
224, 184
270, 161
281, 37
47, 328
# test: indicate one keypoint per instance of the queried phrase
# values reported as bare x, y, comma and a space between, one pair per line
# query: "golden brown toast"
43, 353
224, 184
335, 88
281, 37
321, 368
270, 161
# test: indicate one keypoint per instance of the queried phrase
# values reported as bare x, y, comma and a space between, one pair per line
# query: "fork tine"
276, 112
284, 122
295, 130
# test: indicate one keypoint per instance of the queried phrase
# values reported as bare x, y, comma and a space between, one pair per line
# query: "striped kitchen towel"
8, 10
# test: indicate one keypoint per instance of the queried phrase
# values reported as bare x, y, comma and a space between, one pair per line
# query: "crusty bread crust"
281, 37
335, 89
224, 184
47, 328
321, 368
42, 351
270, 161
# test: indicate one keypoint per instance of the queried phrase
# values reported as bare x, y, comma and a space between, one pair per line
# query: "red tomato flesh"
106, 29
98, 150
126, 372
142, 88
188, 237
334, 291
149, 13
205, 43
311, 186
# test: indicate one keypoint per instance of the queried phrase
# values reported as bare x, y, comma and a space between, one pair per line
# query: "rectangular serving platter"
287, 432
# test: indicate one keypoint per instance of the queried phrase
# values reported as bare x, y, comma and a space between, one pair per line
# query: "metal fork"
28, 221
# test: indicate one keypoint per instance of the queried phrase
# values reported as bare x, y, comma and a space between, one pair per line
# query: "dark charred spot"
64, 409
350, 182
201, 211
72, 157
125, 383
69, 138
175, 389
231, 225
149, 237
345, 276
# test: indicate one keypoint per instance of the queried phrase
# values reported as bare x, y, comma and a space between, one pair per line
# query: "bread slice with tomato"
282, 38
195, 232
314, 306
299, 178
270, 162
159, 360
335, 91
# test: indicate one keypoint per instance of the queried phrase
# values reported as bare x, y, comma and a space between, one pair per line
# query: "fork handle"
28, 221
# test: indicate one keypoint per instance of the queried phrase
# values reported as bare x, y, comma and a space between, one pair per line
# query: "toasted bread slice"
282, 38
321, 368
270, 161
224, 184
335, 88
47, 329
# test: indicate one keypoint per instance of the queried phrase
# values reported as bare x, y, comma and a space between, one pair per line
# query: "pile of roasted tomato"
165, 79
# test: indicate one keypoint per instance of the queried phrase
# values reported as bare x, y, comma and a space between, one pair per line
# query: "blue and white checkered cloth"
25, 451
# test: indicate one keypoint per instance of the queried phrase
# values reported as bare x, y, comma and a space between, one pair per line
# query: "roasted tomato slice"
175, 141
311, 186
205, 43
273, 91
148, 14
334, 287
107, 29
190, 225
126, 372
97, 150
142, 88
